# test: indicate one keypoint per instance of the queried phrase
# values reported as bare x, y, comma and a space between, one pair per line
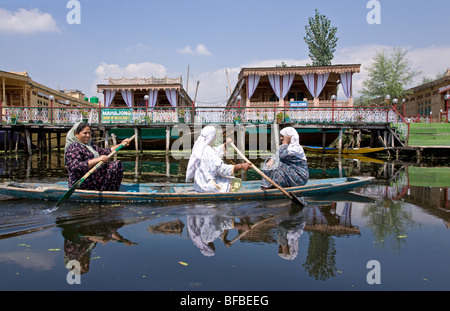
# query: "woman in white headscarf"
288, 235
206, 166
289, 166
81, 154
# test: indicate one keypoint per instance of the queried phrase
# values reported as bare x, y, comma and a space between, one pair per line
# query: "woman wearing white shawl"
288, 235
81, 154
289, 166
206, 166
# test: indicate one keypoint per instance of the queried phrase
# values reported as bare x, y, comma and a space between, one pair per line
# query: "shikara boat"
344, 150
180, 192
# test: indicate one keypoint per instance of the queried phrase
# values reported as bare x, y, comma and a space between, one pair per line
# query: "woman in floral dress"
81, 154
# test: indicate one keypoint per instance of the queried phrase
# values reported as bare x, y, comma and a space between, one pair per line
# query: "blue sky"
144, 38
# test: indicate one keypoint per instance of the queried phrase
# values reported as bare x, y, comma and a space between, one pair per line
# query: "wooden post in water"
58, 141
114, 142
241, 144
11, 137
324, 140
340, 142
49, 141
138, 140
17, 142
275, 137
106, 138
5, 140
167, 140
28, 141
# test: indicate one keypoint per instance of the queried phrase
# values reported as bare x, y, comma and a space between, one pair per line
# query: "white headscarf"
71, 138
294, 147
207, 135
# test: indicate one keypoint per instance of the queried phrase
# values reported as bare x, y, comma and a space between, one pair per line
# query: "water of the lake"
392, 235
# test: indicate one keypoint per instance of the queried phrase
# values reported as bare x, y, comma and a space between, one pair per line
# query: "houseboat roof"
141, 83
264, 71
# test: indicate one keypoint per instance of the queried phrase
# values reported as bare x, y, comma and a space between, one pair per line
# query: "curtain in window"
172, 96
153, 94
321, 82
346, 82
315, 83
288, 79
252, 83
275, 82
127, 97
109, 95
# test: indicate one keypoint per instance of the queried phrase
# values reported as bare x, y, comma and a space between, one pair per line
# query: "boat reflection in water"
207, 225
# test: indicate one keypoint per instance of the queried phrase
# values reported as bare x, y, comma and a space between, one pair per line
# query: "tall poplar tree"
321, 40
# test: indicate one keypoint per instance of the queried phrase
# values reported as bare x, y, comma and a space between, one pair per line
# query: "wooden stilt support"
138, 140
16, 149
11, 138
241, 144
324, 140
167, 140
275, 137
106, 138
340, 142
49, 141
28, 141
58, 141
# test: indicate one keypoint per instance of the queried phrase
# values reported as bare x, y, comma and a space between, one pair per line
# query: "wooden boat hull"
162, 192
343, 151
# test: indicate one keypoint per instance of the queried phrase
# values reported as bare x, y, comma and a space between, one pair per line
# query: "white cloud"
27, 21
200, 49
140, 70
186, 50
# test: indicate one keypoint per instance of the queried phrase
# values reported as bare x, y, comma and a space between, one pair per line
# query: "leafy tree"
321, 40
388, 75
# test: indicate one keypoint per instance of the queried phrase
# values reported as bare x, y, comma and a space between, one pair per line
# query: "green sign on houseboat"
117, 115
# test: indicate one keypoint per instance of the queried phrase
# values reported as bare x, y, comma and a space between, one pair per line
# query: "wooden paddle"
290, 195
248, 230
82, 179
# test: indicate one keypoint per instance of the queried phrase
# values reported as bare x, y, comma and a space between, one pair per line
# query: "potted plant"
13, 118
237, 120
280, 116
84, 116
359, 119
181, 115
286, 118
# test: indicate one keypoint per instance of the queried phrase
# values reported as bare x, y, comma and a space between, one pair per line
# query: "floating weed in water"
402, 236
183, 263
54, 249
22, 244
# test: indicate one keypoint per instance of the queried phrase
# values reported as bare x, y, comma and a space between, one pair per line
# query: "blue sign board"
299, 104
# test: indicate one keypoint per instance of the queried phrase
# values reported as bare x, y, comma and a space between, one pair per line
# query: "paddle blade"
296, 200
68, 194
